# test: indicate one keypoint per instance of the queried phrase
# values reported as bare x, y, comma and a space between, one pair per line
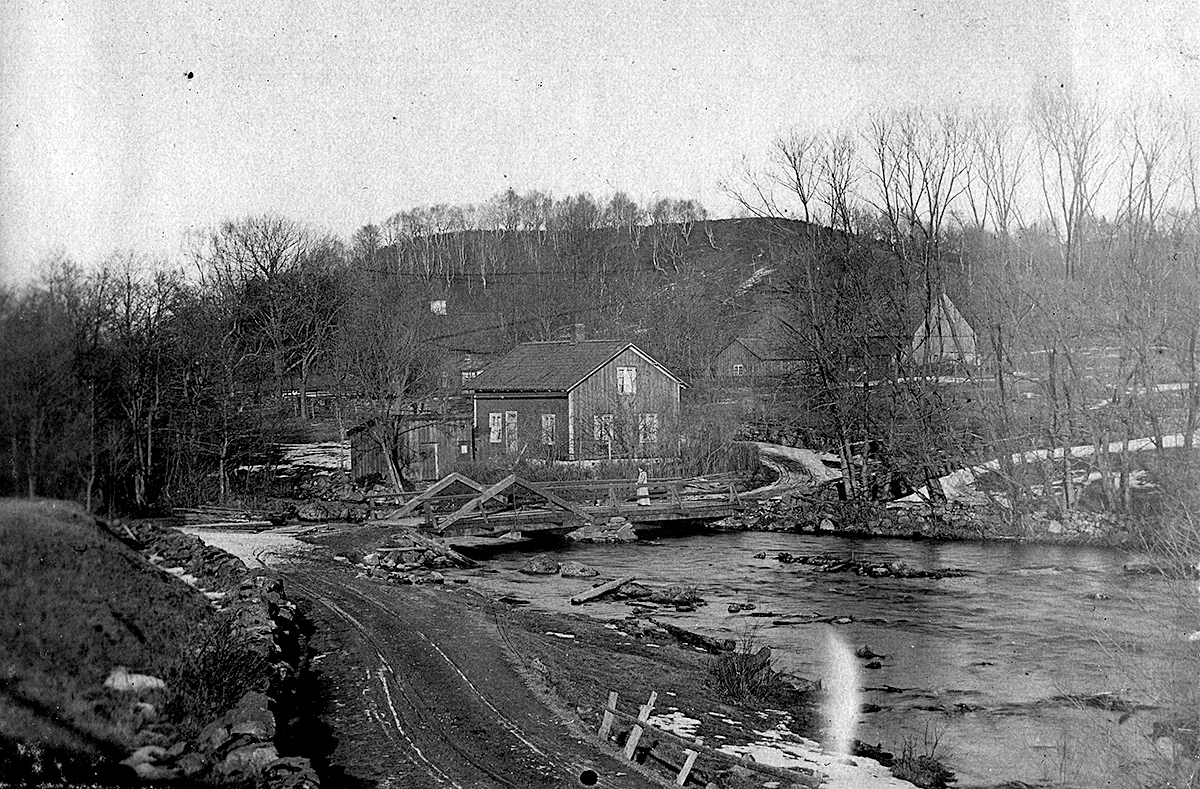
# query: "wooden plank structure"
434, 491
518, 505
692, 748
513, 483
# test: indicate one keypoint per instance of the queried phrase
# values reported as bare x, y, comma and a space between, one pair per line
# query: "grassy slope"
76, 603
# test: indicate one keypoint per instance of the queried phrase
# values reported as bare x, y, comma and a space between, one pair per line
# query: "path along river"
994, 663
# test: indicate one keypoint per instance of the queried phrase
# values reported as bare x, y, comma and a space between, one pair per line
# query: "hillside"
77, 604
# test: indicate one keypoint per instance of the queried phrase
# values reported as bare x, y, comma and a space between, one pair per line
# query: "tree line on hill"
1068, 236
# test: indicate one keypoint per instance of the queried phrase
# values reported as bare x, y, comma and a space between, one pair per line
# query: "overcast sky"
344, 115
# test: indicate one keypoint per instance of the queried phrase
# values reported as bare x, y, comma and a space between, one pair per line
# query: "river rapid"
994, 665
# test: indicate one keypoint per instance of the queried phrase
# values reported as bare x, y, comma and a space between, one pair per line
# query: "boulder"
193, 764
252, 717
312, 512
540, 565
213, 736
577, 570
121, 679
247, 760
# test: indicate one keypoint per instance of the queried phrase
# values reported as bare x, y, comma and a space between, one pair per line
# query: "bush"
222, 663
923, 769
748, 674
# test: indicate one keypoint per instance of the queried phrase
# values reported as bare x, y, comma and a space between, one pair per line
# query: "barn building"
768, 347
576, 400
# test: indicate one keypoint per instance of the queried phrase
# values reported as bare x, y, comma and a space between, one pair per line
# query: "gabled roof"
770, 339
552, 366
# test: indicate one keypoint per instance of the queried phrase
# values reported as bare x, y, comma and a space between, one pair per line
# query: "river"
984, 663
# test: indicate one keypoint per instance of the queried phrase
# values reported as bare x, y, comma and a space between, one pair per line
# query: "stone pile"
212, 568
237, 747
339, 511
946, 520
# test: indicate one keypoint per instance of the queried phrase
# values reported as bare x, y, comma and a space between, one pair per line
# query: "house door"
510, 431
429, 467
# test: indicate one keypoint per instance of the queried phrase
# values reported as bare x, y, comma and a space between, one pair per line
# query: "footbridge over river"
459, 506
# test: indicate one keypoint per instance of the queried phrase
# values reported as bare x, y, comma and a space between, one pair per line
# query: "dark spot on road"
189, 75
588, 778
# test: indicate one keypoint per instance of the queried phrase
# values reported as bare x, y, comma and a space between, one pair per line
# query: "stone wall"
238, 746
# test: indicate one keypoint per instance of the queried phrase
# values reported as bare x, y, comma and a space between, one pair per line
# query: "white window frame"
739, 369
648, 428
626, 380
510, 431
437, 306
467, 375
549, 430
495, 427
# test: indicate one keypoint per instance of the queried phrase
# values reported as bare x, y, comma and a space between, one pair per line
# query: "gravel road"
424, 695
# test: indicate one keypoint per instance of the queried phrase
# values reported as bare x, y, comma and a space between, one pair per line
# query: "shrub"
222, 663
748, 674
923, 769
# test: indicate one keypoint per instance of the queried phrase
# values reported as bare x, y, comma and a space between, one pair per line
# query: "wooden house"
576, 400
768, 347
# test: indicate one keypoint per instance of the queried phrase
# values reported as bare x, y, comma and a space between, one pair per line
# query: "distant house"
917, 336
575, 400
768, 347
466, 342
944, 337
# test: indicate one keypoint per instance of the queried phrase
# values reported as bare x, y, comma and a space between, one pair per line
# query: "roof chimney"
576, 333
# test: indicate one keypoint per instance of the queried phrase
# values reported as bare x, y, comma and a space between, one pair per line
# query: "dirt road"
423, 694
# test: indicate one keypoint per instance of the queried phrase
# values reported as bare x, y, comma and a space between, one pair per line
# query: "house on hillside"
943, 335
466, 343
768, 347
576, 400
913, 336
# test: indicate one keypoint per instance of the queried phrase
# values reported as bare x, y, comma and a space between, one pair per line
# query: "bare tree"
1074, 160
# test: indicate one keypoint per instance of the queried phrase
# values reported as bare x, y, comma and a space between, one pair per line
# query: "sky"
128, 126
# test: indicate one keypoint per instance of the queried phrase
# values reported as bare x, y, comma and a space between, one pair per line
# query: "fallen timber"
601, 590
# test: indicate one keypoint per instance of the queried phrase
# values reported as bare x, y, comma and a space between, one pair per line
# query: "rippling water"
981, 661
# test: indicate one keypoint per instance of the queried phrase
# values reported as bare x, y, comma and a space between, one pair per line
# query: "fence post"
606, 724
635, 734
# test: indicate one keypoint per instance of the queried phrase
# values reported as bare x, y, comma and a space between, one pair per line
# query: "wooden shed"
431, 444
767, 347
575, 400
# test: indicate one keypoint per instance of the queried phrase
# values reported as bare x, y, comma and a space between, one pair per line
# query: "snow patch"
676, 723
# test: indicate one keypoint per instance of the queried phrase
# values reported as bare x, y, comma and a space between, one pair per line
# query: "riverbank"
943, 521
573, 660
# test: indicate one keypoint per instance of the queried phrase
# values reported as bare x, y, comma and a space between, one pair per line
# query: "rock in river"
577, 570
540, 565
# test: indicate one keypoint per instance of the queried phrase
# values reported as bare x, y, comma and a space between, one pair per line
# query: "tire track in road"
382, 674
481, 757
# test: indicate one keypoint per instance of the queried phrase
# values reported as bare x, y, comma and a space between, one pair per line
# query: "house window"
467, 375
495, 427
548, 429
626, 380
463, 448
602, 428
647, 428
510, 429
739, 369
438, 306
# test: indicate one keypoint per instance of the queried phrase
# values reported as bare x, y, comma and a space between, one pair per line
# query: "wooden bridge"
458, 506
